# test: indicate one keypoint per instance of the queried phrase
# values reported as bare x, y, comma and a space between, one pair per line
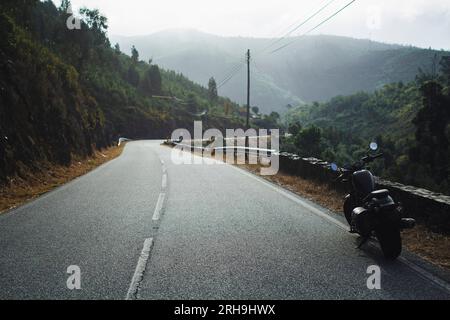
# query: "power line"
239, 62
256, 68
275, 41
230, 71
232, 68
230, 76
237, 67
317, 26
298, 20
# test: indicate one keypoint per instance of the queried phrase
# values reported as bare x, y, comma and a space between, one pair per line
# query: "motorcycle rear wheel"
390, 242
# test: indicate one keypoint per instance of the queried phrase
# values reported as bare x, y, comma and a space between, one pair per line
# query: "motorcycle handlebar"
371, 158
357, 166
378, 156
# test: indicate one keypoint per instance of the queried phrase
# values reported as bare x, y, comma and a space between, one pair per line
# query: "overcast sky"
423, 23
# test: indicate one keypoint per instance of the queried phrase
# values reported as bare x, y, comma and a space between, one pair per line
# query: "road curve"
216, 233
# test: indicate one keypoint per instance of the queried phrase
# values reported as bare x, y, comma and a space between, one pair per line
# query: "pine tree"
212, 90
134, 55
117, 48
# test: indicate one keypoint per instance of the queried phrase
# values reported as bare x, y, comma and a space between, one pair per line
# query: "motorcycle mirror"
373, 146
334, 167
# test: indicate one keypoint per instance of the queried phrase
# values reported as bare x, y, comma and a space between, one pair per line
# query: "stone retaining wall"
425, 206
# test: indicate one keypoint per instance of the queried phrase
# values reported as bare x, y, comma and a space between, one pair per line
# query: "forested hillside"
313, 68
65, 92
411, 123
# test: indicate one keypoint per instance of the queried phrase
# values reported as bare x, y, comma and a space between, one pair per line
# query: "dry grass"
317, 192
33, 184
431, 246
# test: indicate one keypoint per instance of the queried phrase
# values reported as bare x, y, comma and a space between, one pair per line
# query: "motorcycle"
371, 212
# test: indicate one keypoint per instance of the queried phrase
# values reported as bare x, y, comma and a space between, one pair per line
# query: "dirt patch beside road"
33, 184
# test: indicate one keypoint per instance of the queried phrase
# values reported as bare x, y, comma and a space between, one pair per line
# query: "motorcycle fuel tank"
363, 182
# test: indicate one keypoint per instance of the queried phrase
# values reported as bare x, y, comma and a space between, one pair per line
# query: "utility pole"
248, 89
247, 142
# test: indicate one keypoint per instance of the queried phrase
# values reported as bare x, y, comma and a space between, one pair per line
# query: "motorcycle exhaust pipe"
407, 223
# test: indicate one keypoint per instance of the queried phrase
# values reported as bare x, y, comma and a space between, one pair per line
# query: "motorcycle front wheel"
348, 208
390, 241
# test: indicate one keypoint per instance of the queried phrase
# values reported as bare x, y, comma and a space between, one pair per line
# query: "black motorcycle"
372, 212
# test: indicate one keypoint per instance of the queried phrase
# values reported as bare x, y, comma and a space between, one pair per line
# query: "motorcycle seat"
379, 194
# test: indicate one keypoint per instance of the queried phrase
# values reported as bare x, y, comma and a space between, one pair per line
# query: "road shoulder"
31, 185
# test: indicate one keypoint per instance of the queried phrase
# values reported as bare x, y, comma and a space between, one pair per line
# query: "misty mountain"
314, 68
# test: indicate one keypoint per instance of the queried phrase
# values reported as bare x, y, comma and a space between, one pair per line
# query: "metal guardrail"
122, 140
248, 150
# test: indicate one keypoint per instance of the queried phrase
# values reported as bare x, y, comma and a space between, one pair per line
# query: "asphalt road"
143, 227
